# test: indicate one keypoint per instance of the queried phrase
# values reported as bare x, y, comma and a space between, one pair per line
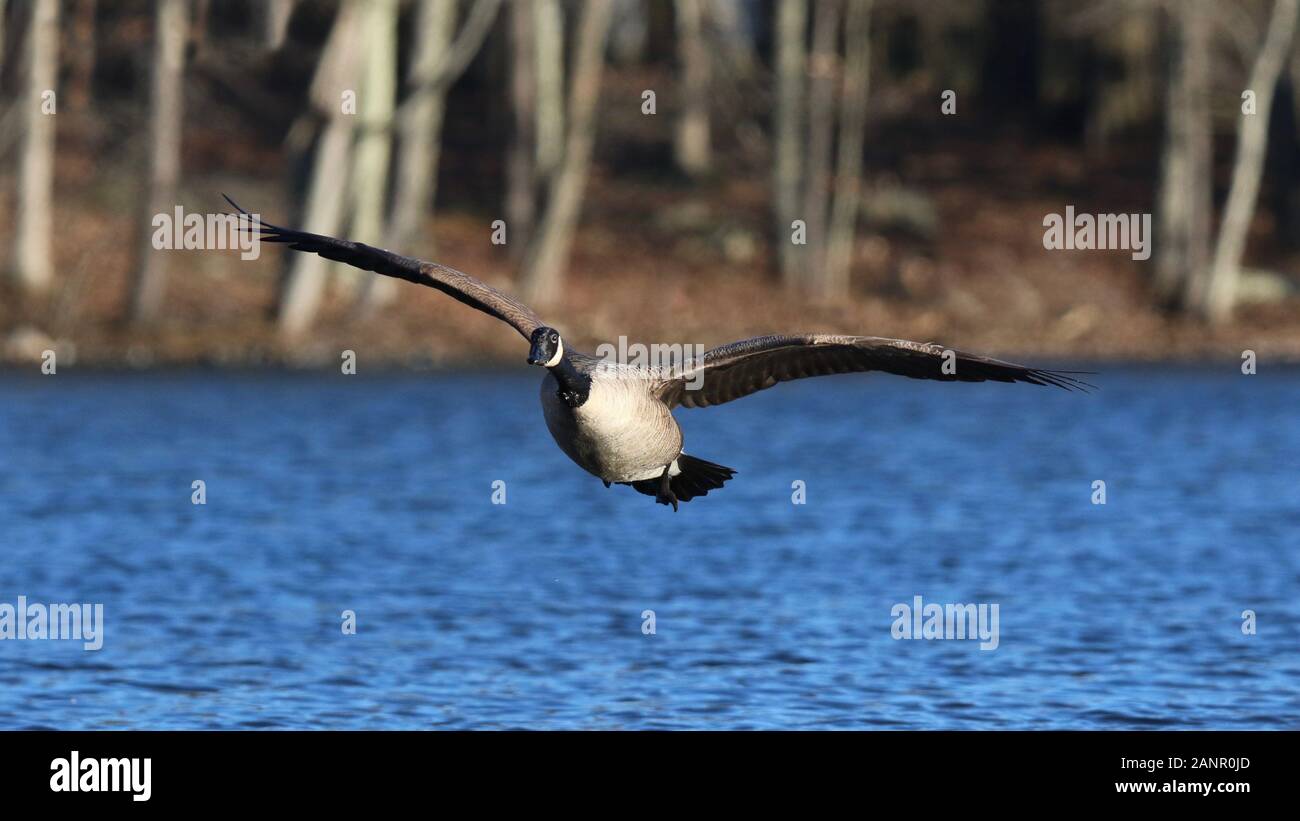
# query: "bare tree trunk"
305, 284
823, 67
1184, 199
691, 143
1220, 294
276, 21
791, 25
833, 280
438, 62
420, 125
171, 26
31, 262
377, 99
520, 173
550, 253
549, 109
1172, 203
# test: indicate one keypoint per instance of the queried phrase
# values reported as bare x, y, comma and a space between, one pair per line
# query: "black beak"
537, 356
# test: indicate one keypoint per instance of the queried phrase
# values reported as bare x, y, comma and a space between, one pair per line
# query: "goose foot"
665, 495
606, 483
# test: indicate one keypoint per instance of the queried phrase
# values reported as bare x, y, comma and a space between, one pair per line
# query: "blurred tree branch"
691, 140
32, 266
549, 251
337, 71
1218, 296
167, 108
1184, 197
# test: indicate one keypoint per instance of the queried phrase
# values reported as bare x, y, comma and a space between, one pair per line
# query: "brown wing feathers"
456, 284
727, 372
741, 368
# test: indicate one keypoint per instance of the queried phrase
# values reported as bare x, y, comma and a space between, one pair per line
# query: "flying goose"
615, 420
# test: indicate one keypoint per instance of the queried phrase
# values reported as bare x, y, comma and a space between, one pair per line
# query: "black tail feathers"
697, 478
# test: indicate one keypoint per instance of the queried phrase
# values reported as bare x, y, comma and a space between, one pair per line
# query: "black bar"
247, 769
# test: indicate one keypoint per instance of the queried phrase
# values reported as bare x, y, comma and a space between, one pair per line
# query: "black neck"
575, 386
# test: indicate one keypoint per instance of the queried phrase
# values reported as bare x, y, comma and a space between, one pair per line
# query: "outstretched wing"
741, 368
459, 286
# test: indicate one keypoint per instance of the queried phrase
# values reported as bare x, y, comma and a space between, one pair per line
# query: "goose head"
547, 348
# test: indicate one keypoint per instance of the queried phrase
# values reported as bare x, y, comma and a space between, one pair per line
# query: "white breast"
621, 433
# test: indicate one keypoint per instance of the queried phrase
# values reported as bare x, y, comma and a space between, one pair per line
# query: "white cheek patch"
559, 354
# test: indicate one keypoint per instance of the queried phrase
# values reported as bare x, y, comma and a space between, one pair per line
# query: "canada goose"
615, 420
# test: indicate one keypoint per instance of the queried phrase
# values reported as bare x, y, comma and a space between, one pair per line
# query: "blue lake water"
373, 494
